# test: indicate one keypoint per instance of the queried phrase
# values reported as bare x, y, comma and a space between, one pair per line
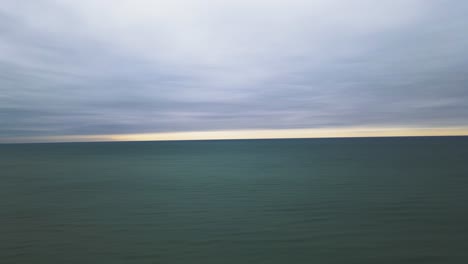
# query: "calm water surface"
382, 200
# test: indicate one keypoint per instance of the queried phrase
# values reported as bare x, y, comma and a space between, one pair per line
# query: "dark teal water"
387, 200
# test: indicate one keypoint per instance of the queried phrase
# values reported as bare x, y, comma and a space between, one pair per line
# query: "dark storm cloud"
69, 68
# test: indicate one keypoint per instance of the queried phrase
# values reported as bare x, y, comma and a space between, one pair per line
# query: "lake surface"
374, 200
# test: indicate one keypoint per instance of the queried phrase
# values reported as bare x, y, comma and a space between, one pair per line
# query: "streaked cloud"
81, 68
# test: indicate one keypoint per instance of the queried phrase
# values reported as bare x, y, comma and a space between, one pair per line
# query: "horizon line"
303, 133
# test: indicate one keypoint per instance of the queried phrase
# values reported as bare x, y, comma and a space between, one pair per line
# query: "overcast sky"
94, 67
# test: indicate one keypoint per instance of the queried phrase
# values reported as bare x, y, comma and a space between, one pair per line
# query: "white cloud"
299, 63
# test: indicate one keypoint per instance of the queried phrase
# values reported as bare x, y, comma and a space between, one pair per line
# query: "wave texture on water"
379, 200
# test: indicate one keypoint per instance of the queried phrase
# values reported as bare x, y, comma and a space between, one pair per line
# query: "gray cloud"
79, 68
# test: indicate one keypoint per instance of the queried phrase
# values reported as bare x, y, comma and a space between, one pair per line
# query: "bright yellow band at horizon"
255, 134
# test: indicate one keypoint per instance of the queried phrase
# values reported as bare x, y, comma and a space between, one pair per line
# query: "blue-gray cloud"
107, 67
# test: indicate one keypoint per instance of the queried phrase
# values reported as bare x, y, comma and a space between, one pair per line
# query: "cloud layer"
139, 66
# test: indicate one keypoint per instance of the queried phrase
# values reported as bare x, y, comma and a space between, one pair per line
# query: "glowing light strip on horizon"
255, 134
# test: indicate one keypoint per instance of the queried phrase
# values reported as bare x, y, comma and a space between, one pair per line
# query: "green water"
387, 200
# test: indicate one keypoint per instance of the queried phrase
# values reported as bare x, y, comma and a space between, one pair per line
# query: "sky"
147, 69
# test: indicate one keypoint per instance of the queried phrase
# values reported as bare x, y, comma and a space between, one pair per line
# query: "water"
387, 200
